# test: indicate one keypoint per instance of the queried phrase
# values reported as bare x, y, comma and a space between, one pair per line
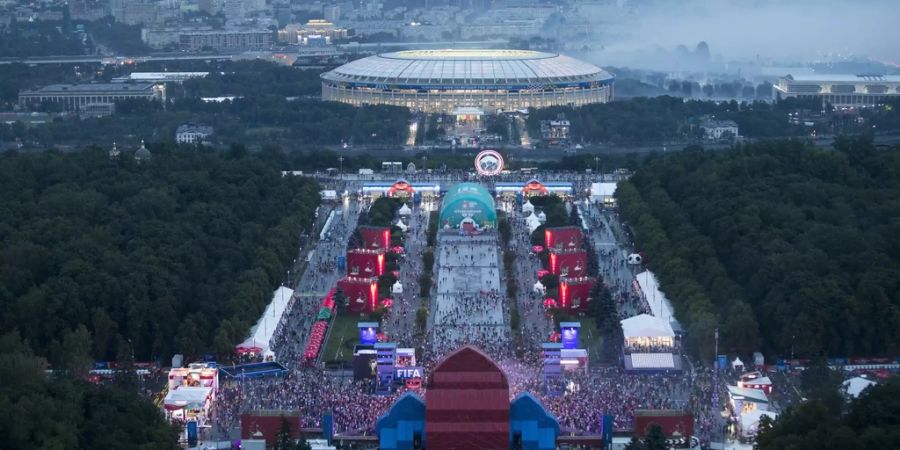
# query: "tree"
340, 301
655, 440
284, 439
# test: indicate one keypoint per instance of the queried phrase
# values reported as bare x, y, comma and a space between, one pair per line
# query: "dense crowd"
467, 308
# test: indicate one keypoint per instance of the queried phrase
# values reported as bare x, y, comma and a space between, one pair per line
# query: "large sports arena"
448, 81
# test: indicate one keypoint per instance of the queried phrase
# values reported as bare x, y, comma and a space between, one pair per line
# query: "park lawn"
344, 336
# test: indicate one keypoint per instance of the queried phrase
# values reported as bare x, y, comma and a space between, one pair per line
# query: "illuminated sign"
409, 372
489, 163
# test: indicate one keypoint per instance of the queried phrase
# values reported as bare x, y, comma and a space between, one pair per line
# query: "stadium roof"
468, 66
843, 78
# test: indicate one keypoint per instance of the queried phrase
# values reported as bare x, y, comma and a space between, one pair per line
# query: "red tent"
467, 403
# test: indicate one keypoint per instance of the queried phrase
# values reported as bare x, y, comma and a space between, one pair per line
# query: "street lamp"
341, 172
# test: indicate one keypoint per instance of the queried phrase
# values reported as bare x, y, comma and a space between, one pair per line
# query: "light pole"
596, 164
341, 171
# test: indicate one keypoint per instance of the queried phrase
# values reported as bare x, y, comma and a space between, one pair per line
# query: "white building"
714, 130
840, 90
192, 134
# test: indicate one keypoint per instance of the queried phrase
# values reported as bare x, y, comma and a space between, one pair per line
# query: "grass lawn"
591, 338
344, 335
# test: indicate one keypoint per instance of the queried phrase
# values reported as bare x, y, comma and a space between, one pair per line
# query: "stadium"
474, 81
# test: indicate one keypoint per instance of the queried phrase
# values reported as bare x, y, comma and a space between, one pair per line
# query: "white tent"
602, 192
645, 325
659, 304
405, 210
542, 217
261, 333
527, 207
539, 288
855, 386
187, 397
737, 363
402, 226
532, 222
397, 288
750, 421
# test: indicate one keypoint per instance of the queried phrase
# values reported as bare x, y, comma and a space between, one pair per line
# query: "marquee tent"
261, 333
397, 288
187, 397
855, 386
750, 421
532, 222
603, 193
645, 325
402, 226
527, 207
405, 210
659, 305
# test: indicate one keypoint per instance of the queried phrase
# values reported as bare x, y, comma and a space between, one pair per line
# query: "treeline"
60, 411
254, 78
176, 255
667, 119
257, 120
781, 246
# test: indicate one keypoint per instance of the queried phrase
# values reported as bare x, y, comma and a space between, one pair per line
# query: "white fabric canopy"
599, 191
750, 395
405, 210
527, 207
262, 332
855, 386
539, 288
397, 288
402, 226
737, 363
750, 421
532, 222
186, 396
645, 325
659, 304
542, 217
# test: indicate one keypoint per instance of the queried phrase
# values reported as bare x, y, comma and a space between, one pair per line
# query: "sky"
803, 30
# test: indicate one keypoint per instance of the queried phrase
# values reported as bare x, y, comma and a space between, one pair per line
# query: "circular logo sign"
488, 163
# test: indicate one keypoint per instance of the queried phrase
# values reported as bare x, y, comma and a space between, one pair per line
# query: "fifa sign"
409, 372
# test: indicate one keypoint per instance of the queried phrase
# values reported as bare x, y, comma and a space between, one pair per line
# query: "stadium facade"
840, 90
445, 81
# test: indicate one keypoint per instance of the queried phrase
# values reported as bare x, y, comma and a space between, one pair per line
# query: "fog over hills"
799, 30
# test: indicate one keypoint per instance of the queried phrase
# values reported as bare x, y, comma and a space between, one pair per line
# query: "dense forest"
61, 411
825, 422
251, 120
781, 246
669, 119
178, 254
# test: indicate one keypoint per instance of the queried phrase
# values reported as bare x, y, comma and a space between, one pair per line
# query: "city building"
297, 34
441, 81
235, 39
714, 130
159, 77
190, 133
74, 97
840, 90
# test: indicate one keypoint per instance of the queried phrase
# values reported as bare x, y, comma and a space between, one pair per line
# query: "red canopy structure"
467, 403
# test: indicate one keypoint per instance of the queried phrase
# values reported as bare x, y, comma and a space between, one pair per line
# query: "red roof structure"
467, 403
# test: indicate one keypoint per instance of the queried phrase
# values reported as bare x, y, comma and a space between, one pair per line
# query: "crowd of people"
467, 308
